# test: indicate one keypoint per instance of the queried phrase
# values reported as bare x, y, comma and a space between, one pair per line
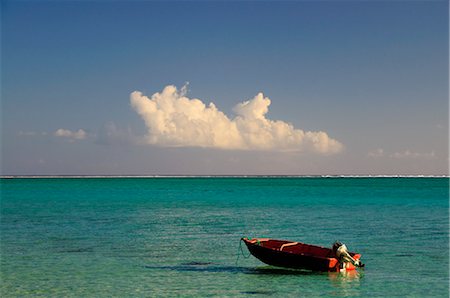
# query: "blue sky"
372, 75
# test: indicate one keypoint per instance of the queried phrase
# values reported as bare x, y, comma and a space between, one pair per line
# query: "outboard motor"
341, 252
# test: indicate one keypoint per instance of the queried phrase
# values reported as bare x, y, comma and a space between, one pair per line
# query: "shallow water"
180, 236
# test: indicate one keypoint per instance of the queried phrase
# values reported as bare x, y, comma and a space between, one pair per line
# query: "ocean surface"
179, 237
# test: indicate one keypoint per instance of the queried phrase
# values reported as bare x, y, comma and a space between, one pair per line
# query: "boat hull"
295, 255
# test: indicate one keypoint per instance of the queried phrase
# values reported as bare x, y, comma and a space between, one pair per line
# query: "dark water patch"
77, 250
201, 268
66, 239
197, 263
125, 256
404, 255
214, 268
281, 271
258, 292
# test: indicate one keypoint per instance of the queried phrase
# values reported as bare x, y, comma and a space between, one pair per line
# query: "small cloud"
73, 135
174, 120
408, 154
376, 153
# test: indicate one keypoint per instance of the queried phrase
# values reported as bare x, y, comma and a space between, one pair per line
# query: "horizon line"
222, 176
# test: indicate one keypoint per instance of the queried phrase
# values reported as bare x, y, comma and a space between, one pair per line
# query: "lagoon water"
172, 237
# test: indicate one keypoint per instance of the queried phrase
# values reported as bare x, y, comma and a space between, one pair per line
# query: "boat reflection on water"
345, 276
346, 281
339, 284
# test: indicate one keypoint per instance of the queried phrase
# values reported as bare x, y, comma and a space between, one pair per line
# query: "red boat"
297, 255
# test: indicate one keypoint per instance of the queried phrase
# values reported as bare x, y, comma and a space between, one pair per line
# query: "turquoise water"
147, 237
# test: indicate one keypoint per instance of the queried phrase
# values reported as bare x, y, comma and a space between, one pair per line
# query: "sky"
224, 88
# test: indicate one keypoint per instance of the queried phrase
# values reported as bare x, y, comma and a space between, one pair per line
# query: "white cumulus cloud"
76, 135
174, 120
